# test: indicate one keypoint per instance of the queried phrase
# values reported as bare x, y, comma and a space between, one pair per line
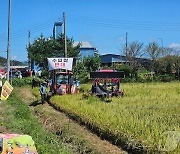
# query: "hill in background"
13, 62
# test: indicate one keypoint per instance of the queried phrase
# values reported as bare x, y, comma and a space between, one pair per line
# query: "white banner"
60, 63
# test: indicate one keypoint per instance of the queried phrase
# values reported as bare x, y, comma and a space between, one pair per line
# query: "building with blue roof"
86, 49
109, 59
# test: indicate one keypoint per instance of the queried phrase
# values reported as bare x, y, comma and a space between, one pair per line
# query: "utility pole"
9, 39
126, 44
65, 42
29, 36
161, 42
162, 48
29, 60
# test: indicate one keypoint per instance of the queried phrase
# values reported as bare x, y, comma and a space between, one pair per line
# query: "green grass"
36, 93
19, 119
139, 118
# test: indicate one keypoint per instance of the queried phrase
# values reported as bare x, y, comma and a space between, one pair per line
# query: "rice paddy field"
146, 119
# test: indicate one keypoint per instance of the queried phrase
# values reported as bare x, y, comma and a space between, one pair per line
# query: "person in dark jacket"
33, 82
43, 92
33, 73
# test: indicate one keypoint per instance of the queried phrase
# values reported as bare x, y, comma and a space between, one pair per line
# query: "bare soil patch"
78, 137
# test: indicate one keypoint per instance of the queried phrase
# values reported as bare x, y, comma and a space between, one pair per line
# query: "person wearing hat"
43, 92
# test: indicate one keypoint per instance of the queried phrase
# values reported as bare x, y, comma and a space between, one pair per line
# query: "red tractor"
107, 83
64, 83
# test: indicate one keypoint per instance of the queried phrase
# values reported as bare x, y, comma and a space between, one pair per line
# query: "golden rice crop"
142, 116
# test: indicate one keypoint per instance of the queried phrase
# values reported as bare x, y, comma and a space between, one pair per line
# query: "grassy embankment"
18, 118
136, 121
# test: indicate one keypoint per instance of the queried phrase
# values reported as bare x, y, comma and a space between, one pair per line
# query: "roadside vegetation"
136, 121
18, 118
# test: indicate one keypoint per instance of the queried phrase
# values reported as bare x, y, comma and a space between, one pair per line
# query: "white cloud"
175, 45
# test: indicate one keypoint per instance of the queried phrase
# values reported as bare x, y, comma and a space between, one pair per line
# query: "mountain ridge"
13, 62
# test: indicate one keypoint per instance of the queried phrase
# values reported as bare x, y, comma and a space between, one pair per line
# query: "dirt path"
78, 137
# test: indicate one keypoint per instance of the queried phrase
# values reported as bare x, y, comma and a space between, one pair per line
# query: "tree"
81, 72
167, 51
92, 63
43, 48
85, 66
168, 65
154, 51
133, 50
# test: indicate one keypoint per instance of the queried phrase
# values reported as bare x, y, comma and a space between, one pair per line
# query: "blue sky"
101, 22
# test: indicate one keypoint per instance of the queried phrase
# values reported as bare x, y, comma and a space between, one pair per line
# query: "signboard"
6, 90
60, 63
15, 143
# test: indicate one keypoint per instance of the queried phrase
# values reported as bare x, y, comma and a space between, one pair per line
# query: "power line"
23, 34
126, 25
13, 50
132, 27
122, 21
34, 28
110, 38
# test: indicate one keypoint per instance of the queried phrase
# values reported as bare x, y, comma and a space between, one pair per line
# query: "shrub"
166, 78
24, 81
45, 74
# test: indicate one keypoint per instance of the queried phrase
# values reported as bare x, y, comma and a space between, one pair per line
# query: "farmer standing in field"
43, 92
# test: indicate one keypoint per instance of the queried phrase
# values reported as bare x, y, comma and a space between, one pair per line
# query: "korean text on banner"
6, 90
60, 63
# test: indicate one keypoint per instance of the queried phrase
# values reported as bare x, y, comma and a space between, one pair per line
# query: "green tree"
85, 66
81, 72
168, 64
43, 48
128, 69
92, 63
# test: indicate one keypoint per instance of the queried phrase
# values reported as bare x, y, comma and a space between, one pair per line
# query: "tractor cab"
107, 83
64, 83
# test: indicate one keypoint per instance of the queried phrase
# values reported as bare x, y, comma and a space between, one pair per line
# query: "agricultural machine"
107, 83
15, 143
64, 83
